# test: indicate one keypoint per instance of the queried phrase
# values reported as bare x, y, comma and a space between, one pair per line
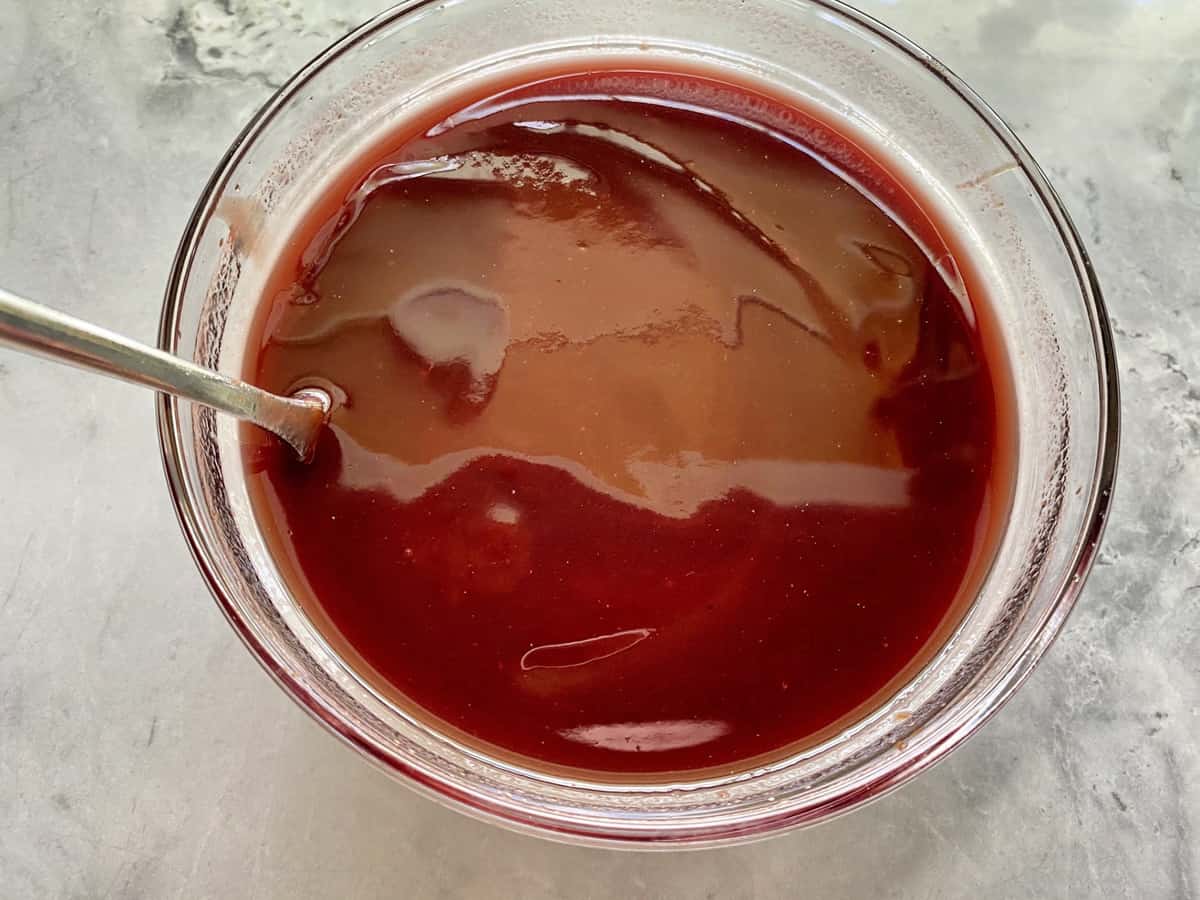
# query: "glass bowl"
967, 169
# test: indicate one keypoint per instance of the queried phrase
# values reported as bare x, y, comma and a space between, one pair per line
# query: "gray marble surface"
143, 753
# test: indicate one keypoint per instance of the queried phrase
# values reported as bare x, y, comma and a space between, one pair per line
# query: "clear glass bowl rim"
1083, 554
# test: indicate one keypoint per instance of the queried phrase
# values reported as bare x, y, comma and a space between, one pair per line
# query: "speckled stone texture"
143, 753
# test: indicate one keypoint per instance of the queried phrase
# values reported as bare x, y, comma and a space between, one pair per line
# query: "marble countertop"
143, 753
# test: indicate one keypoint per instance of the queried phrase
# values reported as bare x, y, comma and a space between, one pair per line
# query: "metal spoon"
297, 419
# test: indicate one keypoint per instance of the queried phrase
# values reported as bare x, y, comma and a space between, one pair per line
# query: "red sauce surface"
660, 446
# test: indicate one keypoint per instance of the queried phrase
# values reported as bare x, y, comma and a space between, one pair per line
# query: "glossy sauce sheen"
660, 448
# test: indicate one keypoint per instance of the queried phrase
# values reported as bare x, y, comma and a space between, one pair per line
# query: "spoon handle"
38, 329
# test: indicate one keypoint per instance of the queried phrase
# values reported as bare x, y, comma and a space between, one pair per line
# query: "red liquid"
662, 447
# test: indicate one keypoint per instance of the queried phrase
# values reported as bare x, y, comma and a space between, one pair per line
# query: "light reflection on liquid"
647, 737
570, 654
